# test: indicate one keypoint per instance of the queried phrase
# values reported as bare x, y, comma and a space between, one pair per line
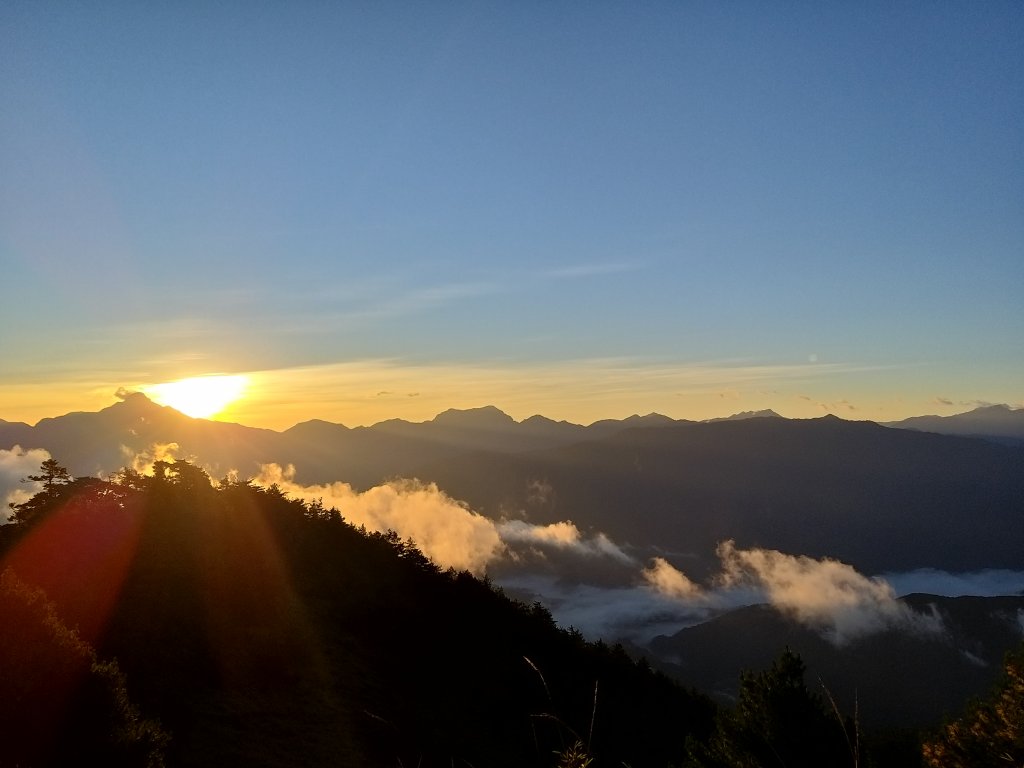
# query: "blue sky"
580, 209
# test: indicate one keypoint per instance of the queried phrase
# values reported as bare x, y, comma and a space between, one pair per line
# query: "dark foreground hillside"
260, 631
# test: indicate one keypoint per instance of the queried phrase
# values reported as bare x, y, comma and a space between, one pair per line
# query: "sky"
581, 209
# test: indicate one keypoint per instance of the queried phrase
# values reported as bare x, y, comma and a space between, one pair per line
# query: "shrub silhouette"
777, 721
58, 703
991, 731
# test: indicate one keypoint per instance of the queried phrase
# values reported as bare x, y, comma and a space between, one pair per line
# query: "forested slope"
262, 631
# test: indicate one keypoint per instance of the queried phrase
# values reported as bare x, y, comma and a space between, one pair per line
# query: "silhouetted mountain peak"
316, 427
131, 407
486, 417
136, 403
1000, 411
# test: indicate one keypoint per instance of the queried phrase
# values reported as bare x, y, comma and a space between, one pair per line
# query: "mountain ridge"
992, 422
820, 487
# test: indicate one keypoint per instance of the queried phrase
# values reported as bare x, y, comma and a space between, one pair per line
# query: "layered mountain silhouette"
881, 499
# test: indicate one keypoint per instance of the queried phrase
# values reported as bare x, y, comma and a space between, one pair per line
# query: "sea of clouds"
594, 584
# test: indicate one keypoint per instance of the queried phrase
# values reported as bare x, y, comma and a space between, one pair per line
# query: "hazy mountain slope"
879, 498
89, 443
898, 678
994, 422
767, 413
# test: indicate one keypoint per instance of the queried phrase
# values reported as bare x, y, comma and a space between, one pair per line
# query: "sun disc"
200, 396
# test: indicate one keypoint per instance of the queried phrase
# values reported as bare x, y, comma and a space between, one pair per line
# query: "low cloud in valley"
594, 584
823, 594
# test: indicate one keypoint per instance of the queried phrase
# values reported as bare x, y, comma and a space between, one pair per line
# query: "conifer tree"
991, 731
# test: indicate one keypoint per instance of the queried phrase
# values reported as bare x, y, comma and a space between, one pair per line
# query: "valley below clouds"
613, 592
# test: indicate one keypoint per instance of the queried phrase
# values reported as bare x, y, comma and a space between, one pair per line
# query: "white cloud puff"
669, 581
143, 461
444, 529
825, 594
16, 464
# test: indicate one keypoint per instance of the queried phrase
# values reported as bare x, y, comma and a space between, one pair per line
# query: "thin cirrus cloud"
590, 270
411, 302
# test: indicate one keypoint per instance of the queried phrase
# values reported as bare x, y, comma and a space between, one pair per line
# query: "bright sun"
199, 397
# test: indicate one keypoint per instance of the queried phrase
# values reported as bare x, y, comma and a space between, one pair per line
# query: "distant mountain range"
993, 422
882, 499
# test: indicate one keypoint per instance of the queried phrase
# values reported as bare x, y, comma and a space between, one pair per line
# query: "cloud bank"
825, 595
592, 583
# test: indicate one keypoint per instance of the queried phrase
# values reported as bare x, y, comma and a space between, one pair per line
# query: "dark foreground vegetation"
163, 620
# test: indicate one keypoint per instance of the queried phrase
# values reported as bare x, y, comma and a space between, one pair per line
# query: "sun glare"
199, 397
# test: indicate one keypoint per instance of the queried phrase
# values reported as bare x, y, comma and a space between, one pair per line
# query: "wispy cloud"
412, 301
590, 270
562, 535
837, 406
